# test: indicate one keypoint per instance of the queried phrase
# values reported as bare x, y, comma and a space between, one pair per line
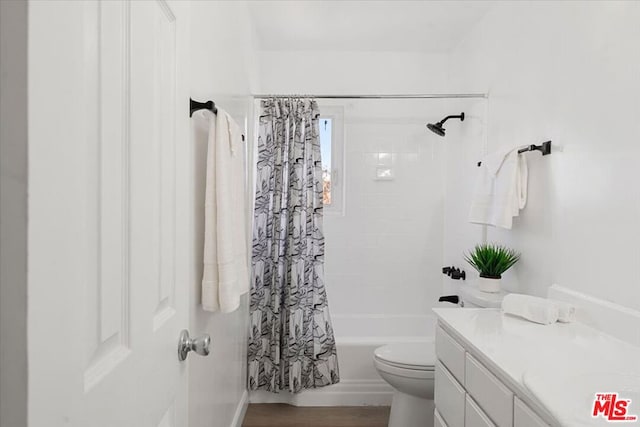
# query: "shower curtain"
291, 342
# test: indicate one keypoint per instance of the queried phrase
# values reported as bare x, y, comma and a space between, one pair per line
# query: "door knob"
186, 344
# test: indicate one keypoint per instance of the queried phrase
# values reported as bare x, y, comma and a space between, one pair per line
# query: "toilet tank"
471, 296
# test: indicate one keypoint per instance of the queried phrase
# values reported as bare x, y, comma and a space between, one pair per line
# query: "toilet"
409, 368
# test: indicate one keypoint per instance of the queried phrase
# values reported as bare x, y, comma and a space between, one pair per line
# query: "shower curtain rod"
417, 96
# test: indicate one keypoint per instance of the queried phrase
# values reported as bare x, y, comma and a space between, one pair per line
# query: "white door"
108, 212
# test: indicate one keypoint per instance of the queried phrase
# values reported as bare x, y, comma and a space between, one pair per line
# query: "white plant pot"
489, 285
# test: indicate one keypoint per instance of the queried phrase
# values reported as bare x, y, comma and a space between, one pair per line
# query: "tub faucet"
453, 299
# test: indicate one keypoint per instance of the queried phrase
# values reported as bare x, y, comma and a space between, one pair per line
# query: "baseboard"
241, 410
345, 393
610, 318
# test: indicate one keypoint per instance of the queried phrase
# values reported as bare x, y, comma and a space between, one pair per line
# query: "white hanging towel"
226, 273
501, 191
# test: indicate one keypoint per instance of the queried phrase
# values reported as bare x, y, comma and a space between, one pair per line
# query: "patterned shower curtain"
291, 342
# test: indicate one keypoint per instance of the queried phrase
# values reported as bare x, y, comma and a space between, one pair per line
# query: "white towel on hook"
226, 271
501, 190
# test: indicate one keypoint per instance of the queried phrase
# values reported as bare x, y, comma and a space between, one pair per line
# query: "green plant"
491, 260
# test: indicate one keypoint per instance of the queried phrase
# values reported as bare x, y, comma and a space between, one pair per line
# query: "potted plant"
491, 261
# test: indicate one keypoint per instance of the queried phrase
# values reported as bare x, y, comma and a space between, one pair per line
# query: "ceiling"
405, 26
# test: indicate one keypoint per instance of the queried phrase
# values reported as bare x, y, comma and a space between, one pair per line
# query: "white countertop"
559, 366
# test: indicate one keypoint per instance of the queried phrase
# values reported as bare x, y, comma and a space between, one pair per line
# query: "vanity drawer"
523, 416
449, 397
495, 399
437, 420
450, 353
473, 415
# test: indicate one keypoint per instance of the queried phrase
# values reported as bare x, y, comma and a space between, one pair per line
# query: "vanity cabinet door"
450, 353
523, 416
449, 397
437, 420
473, 415
495, 399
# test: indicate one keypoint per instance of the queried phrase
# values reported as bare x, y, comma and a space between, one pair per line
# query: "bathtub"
356, 338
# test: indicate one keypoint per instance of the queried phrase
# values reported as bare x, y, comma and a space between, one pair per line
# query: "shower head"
438, 129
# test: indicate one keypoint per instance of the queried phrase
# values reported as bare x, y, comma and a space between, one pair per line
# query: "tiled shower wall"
385, 251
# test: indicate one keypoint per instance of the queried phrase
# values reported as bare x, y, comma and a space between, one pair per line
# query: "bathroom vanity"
497, 370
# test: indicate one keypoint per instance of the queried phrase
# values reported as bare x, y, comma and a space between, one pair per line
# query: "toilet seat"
419, 356
408, 367
422, 373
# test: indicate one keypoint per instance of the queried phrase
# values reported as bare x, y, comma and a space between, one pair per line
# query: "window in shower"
331, 146
326, 128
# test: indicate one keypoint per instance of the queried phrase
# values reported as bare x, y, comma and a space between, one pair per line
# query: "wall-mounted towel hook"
544, 148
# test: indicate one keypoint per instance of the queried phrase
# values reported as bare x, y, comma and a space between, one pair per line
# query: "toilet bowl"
409, 369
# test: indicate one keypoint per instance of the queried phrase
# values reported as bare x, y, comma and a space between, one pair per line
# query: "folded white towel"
566, 311
534, 309
226, 274
501, 189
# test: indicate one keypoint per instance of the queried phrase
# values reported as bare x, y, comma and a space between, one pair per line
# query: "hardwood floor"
280, 415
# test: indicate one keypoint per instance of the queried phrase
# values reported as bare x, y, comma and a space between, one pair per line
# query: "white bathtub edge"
380, 341
345, 393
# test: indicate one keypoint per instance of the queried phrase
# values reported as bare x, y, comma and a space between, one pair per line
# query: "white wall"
223, 69
569, 72
463, 148
318, 72
13, 214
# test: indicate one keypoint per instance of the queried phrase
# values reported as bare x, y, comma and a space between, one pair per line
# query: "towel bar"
195, 106
544, 148
209, 105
